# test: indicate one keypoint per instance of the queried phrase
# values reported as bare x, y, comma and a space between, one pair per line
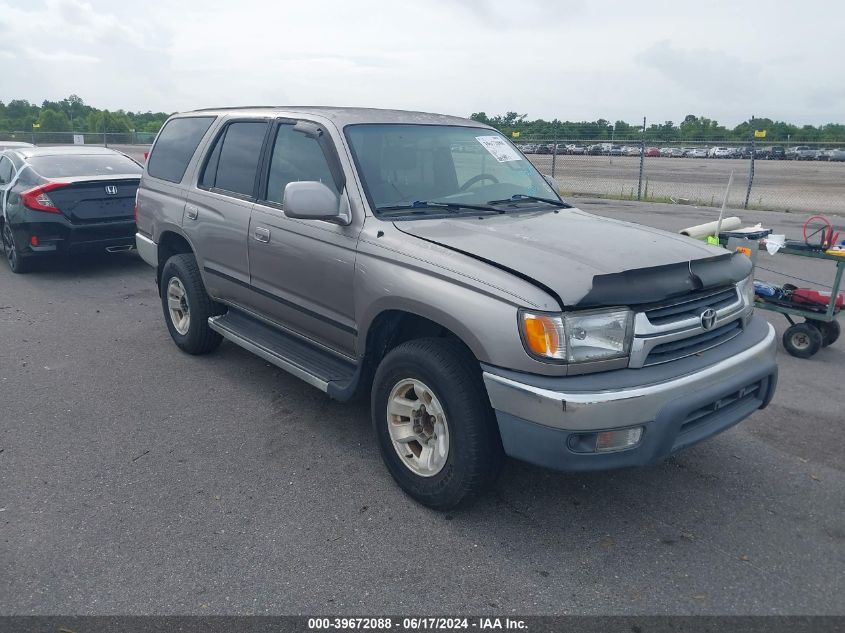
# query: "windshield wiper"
520, 197
432, 204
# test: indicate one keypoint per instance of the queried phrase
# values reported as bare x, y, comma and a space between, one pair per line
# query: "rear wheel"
802, 340
187, 306
436, 430
830, 331
17, 263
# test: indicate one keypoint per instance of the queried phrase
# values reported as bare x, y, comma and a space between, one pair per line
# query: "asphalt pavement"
135, 479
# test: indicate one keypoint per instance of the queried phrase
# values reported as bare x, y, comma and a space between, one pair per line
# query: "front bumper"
678, 404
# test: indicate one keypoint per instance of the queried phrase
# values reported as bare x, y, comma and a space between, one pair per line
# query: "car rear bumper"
59, 235
552, 422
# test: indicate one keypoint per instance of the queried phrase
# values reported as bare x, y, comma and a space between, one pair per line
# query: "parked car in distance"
528, 148
614, 150
837, 154
696, 152
66, 200
577, 149
353, 249
14, 145
801, 152
544, 148
676, 152
665, 152
631, 150
652, 152
776, 152
595, 150
720, 152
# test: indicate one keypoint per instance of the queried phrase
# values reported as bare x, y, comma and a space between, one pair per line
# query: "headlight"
578, 337
746, 290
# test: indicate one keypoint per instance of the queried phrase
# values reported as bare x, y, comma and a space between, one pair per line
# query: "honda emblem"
111, 190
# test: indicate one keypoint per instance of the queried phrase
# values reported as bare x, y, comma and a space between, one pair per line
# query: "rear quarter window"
175, 146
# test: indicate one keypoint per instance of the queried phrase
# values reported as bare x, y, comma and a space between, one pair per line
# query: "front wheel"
187, 306
802, 340
435, 427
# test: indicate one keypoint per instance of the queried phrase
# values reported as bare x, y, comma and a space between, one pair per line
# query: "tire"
802, 340
461, 410
193, 335
16, 262
830, 331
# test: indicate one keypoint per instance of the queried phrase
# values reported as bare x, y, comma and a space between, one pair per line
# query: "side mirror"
552, 182
311, 200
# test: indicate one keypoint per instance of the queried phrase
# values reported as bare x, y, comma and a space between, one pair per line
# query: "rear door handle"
261, 234
191, 212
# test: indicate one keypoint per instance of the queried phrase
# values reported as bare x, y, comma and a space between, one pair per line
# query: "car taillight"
38, 200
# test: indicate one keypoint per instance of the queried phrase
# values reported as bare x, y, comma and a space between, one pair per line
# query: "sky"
567, 59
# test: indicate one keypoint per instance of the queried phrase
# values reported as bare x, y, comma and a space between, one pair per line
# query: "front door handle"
261, 234
191, 212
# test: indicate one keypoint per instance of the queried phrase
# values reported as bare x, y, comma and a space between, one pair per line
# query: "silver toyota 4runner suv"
423, 260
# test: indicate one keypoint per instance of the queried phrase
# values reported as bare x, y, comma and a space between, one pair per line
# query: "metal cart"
820, 327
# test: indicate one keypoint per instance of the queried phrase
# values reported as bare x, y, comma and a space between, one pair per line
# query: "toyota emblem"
708, 319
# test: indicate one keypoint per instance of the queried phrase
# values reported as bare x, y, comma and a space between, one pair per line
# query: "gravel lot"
137, 479
800, 186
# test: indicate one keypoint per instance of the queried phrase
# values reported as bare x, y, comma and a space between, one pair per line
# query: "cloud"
569, 59
702, 72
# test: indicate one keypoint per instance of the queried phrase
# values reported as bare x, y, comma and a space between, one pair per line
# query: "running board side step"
317, 367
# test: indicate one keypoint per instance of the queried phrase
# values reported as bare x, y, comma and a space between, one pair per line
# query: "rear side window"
174, 147
233, 163
73, 165
5, 170
296, 157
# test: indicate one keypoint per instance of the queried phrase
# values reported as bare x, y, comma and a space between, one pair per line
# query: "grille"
673, 350
701, 416
692, 306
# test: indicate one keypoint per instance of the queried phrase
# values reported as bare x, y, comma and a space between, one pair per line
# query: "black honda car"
66, 200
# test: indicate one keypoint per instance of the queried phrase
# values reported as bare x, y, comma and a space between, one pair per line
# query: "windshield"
403, 164
74, 165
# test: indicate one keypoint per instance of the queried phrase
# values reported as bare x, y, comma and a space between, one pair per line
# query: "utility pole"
642, 159
610, 151
554, 149
751, 169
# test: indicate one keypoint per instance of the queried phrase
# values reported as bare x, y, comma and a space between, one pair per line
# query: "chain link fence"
811, 179
80, 138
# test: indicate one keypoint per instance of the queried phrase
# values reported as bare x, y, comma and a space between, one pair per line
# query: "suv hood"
586, 260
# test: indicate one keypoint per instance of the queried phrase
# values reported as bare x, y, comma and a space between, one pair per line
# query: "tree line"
692, 129
74, 115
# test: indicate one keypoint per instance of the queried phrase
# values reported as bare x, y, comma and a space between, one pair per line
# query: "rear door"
217, 212
6, 176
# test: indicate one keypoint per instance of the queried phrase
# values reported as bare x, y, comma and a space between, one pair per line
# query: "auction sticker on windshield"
498, 148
